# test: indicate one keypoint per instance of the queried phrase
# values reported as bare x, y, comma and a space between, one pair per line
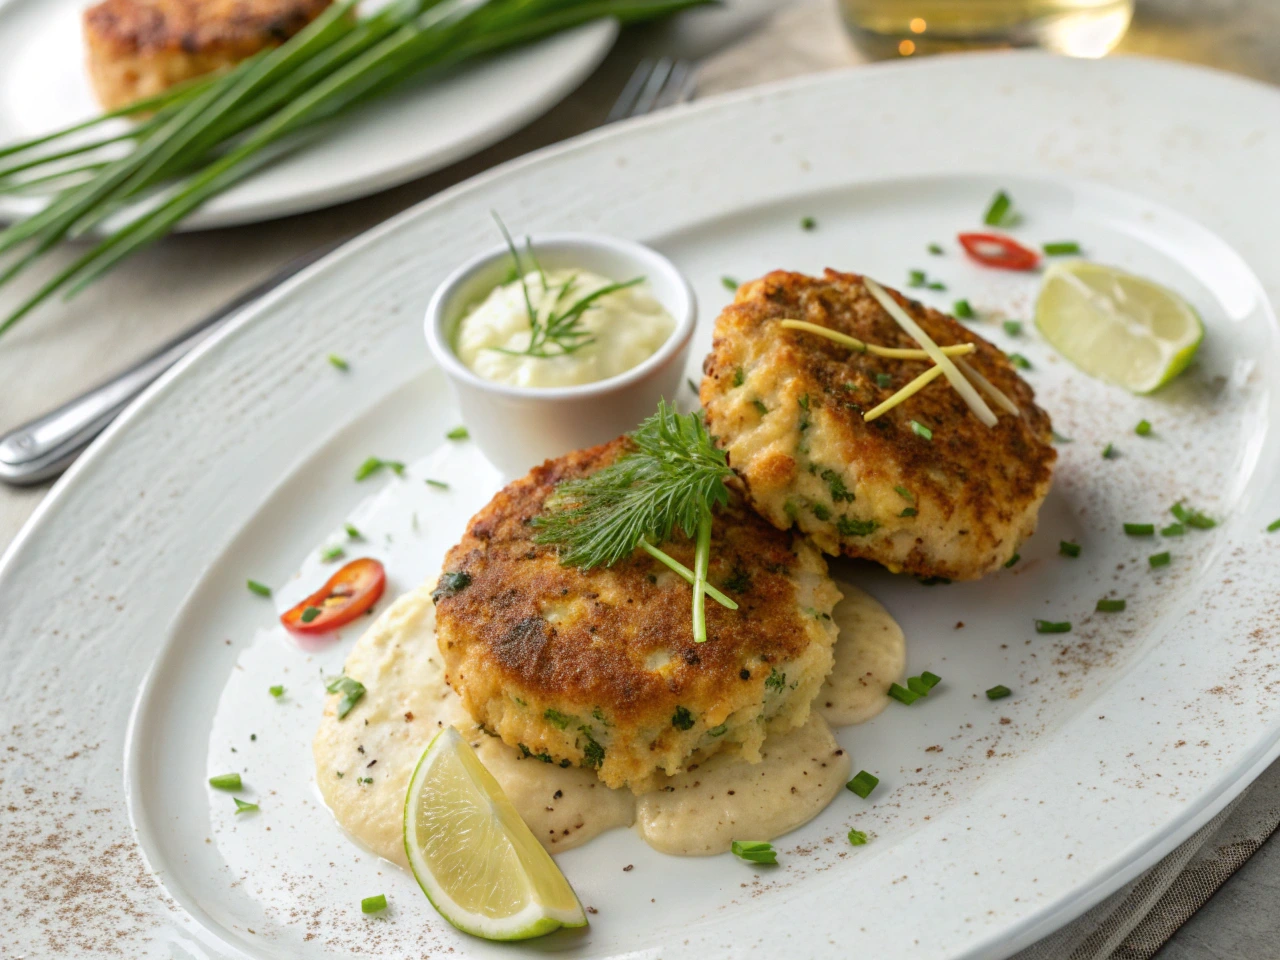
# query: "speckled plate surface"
137, 663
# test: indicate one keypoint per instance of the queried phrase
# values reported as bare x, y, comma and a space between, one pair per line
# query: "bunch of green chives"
197, 139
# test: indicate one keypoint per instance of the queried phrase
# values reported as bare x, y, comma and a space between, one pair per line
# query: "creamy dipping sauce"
697, 812
625, 328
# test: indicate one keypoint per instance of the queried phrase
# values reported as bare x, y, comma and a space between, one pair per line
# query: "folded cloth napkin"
1133, 923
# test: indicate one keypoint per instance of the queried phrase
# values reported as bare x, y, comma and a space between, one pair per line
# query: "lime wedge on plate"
1117, 327
475, 859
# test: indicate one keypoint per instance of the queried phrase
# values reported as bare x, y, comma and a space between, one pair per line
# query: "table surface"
66, 348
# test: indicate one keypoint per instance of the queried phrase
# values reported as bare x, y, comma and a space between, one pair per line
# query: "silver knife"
46, 446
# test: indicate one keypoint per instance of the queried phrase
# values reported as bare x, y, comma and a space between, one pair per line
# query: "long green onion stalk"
197, 139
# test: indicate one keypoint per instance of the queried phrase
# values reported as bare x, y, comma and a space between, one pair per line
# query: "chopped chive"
808, 223
998, 692
729, 284
963, 310
458, 433
908, 512
754, 851
373, 904
226, 781
905, 494
920, 430
244, 806
1051, 626
1059, 438
351, 690
276, 691
1159, 559
1109, 452
373, 464
1140, 529
1013, 327
351, 530
857, 838
338, 362
922, 684
1012, 560
863, 784
936, 285
760, 407
331, 554
739, 377
1273, 526
935, 249
692, 386
999, 212
903, 695
1061, 248
1173, 530
1068, 549
1192, 517
1019, 361
884, 380
1143, 428
261, 589
1110, 606
438, 484
309, 614
916, 278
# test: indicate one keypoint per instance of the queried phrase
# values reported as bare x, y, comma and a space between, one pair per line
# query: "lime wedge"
475, 859
1117, 327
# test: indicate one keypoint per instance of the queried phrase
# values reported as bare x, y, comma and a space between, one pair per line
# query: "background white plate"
417, 129
138, 663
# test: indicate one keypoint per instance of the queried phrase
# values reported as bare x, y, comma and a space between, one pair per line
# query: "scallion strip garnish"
1019, 361
351, 691
374, 464
903, 695
1273, 526
244, 806
1173, 530
857, 838
373, 904
730, 284
1013, 327
922, 684
1012, 560
351, 531
808, 223
998, 692
963, 310
1053, 626
916, 278
1109, 452
920, 430
1068, 548
226, 781
1061, 248
1143, 429
276, 691
1159, 559
754, 851
261, 589
1110, 606
438, 484
1192, 517
1140, 529
935, 249
309, 614
458, 433
863, 784
1000, 212
338, 362
329, 554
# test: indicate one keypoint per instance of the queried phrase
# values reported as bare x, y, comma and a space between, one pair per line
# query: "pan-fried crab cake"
599, 667
925, 488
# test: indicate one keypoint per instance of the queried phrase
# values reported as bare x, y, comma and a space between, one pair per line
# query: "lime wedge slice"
1117, 327
475, 859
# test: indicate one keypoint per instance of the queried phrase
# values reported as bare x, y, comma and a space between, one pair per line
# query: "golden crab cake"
138, 48
925, 488
599, 667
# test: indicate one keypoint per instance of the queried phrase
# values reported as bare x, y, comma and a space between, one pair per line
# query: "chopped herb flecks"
458, 433
903, 695
450, 582
261, 589
808, 223
857, 838
1110, 606
1061, 248
682, 719
1068, 549
1013, 328
243, 806
1140, 529
1159, 559
935, 249
730, 284
373, 464
754, 851
338, 362
1143, 429
884, 380
1173, 530
862, 784
1051, 626
276, 691
920, 430
1109, 452
1192, 517
1012, 560
1019, 361
922, 684
329, 554
963, 310
998, 692
309, 614
226, 781
351, 530
351, 691
1273, 526
1000, 211
373, 904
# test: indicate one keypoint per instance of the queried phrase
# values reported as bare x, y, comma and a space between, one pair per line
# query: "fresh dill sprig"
560, 332
672, 481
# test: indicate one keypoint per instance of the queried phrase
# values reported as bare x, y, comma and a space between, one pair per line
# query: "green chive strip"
1192, 517
998, 692
922, 684
351, 531
1109, 452
261, 589
1013, 328
935, 249
244, 806
916, 278
1012, 560
338, 362
863, 784
884, 380
920, 430
1140, 529
1061, 248
857, 838
1068, 549
1110, 606
1052, 626
330, 554
998, 213
373, 904
276, 691
226, 781
808, 223
1019, 361
1173, 530
754, 851
903, 695
1143, 429
458, 433
963, 310
1273, 526
438, 484
730, 284
373, 464
309, 614
1159, 559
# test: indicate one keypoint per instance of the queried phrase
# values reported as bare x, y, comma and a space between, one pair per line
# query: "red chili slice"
347, 594
994, 250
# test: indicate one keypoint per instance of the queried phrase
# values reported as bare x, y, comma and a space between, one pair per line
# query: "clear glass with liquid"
1080, 28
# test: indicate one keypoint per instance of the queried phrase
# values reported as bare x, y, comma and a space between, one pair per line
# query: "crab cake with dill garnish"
599, 667
925, 488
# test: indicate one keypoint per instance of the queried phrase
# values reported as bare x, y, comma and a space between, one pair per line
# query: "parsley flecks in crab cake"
924, 488
599, 667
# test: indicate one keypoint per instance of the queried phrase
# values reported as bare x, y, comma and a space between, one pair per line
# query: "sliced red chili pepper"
994, 250
347, 594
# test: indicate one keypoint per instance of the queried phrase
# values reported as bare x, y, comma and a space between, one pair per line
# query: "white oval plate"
414, 131
137, 663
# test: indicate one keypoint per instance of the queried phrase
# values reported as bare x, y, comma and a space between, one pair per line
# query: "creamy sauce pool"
625, 327
364, 762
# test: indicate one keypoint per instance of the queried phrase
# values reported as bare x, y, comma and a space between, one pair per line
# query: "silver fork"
655, 83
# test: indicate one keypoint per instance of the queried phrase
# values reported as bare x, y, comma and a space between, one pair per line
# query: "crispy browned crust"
608, 628
976, 489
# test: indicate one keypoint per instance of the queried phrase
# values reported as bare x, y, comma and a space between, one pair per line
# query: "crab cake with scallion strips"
599, 667
925, 486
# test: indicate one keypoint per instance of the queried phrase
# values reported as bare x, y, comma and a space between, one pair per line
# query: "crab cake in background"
599, 667
926, 488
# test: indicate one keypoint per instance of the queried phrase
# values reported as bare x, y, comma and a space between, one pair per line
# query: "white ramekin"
519, 427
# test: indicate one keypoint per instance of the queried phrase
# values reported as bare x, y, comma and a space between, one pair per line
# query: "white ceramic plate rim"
1208, 800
